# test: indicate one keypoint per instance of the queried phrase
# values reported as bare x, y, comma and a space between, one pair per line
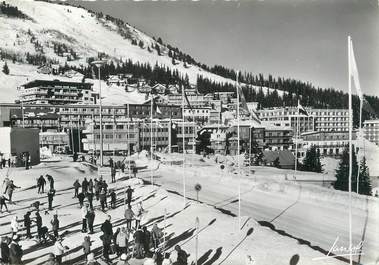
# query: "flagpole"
296, 135
360, 135
128, 140
350, 151
114, 125
238, 154
184, 157
151, 138
79, 135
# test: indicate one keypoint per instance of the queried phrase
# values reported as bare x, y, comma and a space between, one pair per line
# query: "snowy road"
312, 223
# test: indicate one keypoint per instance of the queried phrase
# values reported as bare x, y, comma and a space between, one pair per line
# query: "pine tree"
364, 178
6, 69
312, 160
342, 173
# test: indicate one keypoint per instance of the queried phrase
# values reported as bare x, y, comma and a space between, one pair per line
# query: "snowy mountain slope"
82, 32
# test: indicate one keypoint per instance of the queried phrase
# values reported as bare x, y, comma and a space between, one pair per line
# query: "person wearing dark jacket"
113, 199
51, 181
107, 227
76, 187
50, 197
182, 256
97, 187
90, 220
129, 215
85, 186
116, 246
90, 186
15, 251
138, 240
4, 250
55, 226
146, 240
129, 194
103, 200
27, 224
107, 241
41, 182
90, 199
39, 225
2, 203
81, 197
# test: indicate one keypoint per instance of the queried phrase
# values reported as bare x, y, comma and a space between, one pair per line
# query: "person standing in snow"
139, 214
181, 256
113, 199
27, 224
39, 225
51, 181
97, 186
129, 194
84, 218
103, 200
85, 186
55, 226
41, 182
90, 220
4, 248
14, 225
107, 241
50, 197
90, 186
86, 246
81, 198
3, 198
76, 188
146, 239
156, 235
15, 251
90, 199
59, 250
129, 214
138, 240
122, 241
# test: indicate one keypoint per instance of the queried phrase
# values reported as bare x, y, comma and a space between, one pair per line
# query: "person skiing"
55, 226
27, 224
90, 220
41, 182
129, 194
59, 250
15, 251
129, 214
10, 188
76, 187
50, 197
3, 198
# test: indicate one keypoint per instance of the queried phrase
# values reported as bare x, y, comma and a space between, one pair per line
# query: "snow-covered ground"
220, 242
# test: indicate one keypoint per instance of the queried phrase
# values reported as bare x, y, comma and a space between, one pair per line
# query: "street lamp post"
98, 64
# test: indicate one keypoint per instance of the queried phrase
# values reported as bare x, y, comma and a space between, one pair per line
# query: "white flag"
354, 72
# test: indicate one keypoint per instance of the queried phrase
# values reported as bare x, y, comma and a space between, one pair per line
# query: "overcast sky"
303, 39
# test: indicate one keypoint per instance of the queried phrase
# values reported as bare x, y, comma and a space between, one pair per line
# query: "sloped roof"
286, 158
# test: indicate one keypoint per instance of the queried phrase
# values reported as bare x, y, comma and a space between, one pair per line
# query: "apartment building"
57, 92
371, 130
